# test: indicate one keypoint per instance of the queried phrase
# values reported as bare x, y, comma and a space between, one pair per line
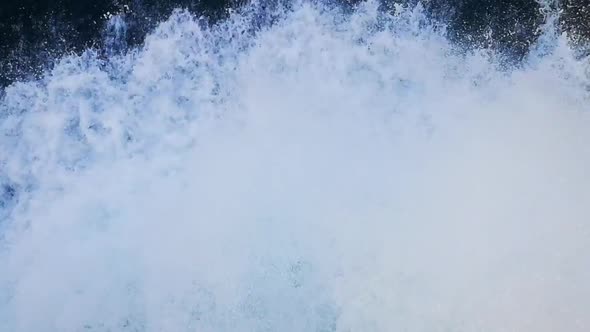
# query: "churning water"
308, 170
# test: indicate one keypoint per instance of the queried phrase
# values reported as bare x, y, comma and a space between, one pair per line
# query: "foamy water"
328, 172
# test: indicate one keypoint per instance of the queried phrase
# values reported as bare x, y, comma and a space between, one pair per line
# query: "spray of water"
326, 172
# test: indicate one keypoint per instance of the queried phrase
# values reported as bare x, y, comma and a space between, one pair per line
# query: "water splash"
115, 35
302, 170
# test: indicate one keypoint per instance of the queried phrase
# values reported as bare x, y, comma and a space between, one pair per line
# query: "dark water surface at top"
33, 32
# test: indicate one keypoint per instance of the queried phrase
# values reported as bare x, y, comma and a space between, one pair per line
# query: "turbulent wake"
308, 170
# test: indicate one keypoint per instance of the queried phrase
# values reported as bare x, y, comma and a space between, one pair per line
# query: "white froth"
330, 172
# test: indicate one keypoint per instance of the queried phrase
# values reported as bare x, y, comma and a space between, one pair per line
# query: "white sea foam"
329, 172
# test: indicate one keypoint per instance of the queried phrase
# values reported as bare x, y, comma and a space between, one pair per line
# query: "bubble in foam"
326, 172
